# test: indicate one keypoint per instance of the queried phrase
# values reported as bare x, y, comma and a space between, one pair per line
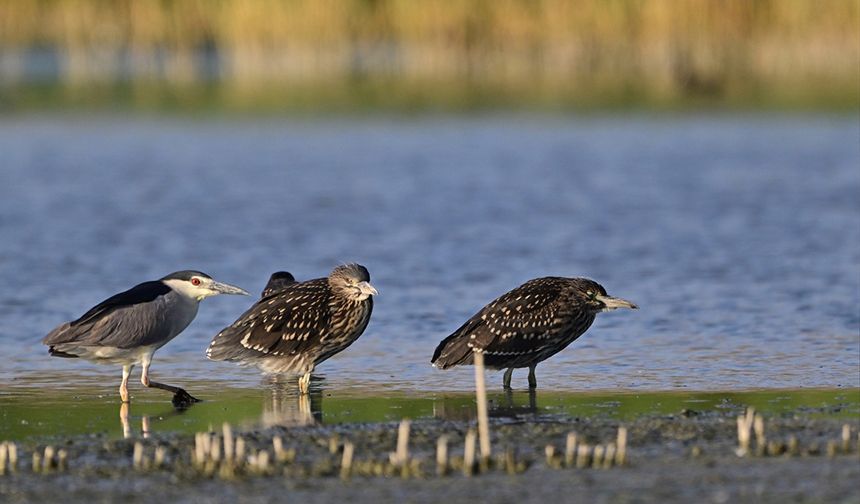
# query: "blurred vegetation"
312, 55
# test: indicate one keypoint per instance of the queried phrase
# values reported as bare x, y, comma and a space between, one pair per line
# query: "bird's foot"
182, 399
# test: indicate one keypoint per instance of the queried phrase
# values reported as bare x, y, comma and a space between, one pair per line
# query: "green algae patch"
33, 413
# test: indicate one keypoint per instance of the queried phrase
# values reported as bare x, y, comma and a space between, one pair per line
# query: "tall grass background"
317, 54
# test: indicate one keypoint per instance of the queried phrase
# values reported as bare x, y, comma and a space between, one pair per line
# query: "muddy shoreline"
687, 455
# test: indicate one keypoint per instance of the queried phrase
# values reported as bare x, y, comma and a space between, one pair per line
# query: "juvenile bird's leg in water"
305, 382
506, 380
532, 377
123, 387
181, 398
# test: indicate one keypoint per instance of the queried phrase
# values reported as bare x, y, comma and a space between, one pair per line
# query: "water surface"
738, 237
34, 414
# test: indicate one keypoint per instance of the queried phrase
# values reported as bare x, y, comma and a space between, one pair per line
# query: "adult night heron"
299, 326
527, 325
128, 328
278, 281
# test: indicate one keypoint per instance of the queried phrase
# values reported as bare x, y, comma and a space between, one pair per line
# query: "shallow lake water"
32, 414
739, 238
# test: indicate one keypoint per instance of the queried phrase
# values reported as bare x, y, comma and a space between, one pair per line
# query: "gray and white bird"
127, 328
294, 329
278, 281
528, 325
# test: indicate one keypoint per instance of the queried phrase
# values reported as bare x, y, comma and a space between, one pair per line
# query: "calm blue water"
739, 238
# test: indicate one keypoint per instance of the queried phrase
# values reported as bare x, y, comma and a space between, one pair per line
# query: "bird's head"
594, 296
352, 281
198, 285
278, 281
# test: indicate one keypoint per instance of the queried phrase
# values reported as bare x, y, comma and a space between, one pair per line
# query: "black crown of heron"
527, 325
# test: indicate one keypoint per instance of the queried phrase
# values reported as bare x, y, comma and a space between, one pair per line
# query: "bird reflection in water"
284, 405
509, 404
126, 426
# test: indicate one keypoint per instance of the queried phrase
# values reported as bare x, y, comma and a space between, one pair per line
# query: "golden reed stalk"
669, 47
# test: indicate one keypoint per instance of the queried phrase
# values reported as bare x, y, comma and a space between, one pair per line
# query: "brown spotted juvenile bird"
528, 325
300, 324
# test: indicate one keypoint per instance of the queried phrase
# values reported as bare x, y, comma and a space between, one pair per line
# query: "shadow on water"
35, 413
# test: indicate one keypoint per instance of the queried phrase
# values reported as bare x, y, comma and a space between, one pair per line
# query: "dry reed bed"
669, 46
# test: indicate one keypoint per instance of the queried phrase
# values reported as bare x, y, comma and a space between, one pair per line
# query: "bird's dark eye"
591, 294
195, 281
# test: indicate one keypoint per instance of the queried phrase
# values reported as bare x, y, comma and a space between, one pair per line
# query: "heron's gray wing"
141, 293
121, 326
113, 319
286, 323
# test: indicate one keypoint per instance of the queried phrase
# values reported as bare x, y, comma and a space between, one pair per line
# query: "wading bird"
278, 281
127, 328
527, 325
295, 328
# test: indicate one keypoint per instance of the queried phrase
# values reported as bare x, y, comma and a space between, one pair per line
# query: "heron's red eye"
195, 281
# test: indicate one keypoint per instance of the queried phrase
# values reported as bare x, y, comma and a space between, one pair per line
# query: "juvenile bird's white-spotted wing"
286, 322
520, 326
519, 320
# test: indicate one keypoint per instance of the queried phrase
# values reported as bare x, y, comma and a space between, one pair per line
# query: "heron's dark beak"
222, 288
613, 303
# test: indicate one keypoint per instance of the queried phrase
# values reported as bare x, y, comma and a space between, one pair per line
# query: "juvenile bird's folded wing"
508, 324
282, 324
524, 314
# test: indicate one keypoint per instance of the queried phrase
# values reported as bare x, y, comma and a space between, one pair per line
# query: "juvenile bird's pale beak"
613, 303
223, 288
366, 289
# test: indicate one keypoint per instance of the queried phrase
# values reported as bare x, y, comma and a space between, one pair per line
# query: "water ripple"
738, 237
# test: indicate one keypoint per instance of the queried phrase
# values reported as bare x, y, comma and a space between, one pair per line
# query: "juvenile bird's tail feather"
454, 350
226, 347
